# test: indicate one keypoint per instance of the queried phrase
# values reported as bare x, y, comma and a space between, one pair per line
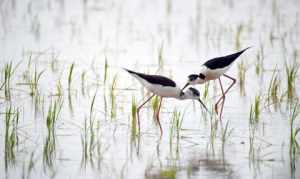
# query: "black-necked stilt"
165, 88
214, 69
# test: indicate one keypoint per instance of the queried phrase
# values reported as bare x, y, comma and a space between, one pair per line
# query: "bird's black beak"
181, 91
203, 104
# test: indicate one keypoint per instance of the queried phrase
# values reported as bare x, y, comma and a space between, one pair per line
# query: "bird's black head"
193, 77
194, 91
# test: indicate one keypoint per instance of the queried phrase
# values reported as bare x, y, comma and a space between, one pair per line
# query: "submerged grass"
11, 136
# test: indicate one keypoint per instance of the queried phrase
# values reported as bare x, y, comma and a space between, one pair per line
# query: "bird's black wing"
221, 62
154, 79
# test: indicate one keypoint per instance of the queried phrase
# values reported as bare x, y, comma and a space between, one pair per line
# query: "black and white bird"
214, 69
165, 88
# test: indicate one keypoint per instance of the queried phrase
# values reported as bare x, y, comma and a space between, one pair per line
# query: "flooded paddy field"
68, 109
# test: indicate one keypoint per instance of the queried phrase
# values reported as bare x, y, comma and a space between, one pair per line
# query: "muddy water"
169, 37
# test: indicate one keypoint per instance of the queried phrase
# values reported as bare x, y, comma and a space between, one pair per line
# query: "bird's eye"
193, 77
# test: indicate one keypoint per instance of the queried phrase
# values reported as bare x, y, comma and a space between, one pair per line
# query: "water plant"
294, 145
241, 76
133, 117
70, 75
274, 89
49, 149
11, 136
8, 71
291, 75
225, 134
255, 110
105, 70
113, 97
160, 56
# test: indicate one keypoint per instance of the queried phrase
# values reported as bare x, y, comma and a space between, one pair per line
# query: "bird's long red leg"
221, 99
157, 116
138, 110
226, 91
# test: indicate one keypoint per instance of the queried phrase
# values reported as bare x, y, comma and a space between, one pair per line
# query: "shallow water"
169, 37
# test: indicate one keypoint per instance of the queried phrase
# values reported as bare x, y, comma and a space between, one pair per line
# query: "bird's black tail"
234, 56
130, 71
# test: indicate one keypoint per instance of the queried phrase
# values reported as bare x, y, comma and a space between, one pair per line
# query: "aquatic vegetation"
177, 119
225, 134
294, 145
105, 70
160, 56
133, 117
70, 75
291, 75
8, 71
33, 82
83, 83
255, 110
240, 29
11, 135
113, 110
273, 96
242, 76
49, 149
154, 104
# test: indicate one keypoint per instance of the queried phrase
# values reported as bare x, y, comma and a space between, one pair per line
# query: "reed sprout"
225, 134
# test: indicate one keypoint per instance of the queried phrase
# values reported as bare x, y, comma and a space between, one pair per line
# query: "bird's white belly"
164, 91
215, 73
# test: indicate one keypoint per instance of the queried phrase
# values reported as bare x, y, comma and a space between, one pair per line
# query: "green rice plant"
240, 29
274, 89
49, 149
8, 71
294, 145
33, 82
59, 89
225, 134
160, 56
154, 104
133, 117
291, 75
241, 76
177, 119
113, 98
105, 71
213, 131
206, 90
258, 64
70, 75
89, 138
255, 111
11, 136
82, 83
168, 173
